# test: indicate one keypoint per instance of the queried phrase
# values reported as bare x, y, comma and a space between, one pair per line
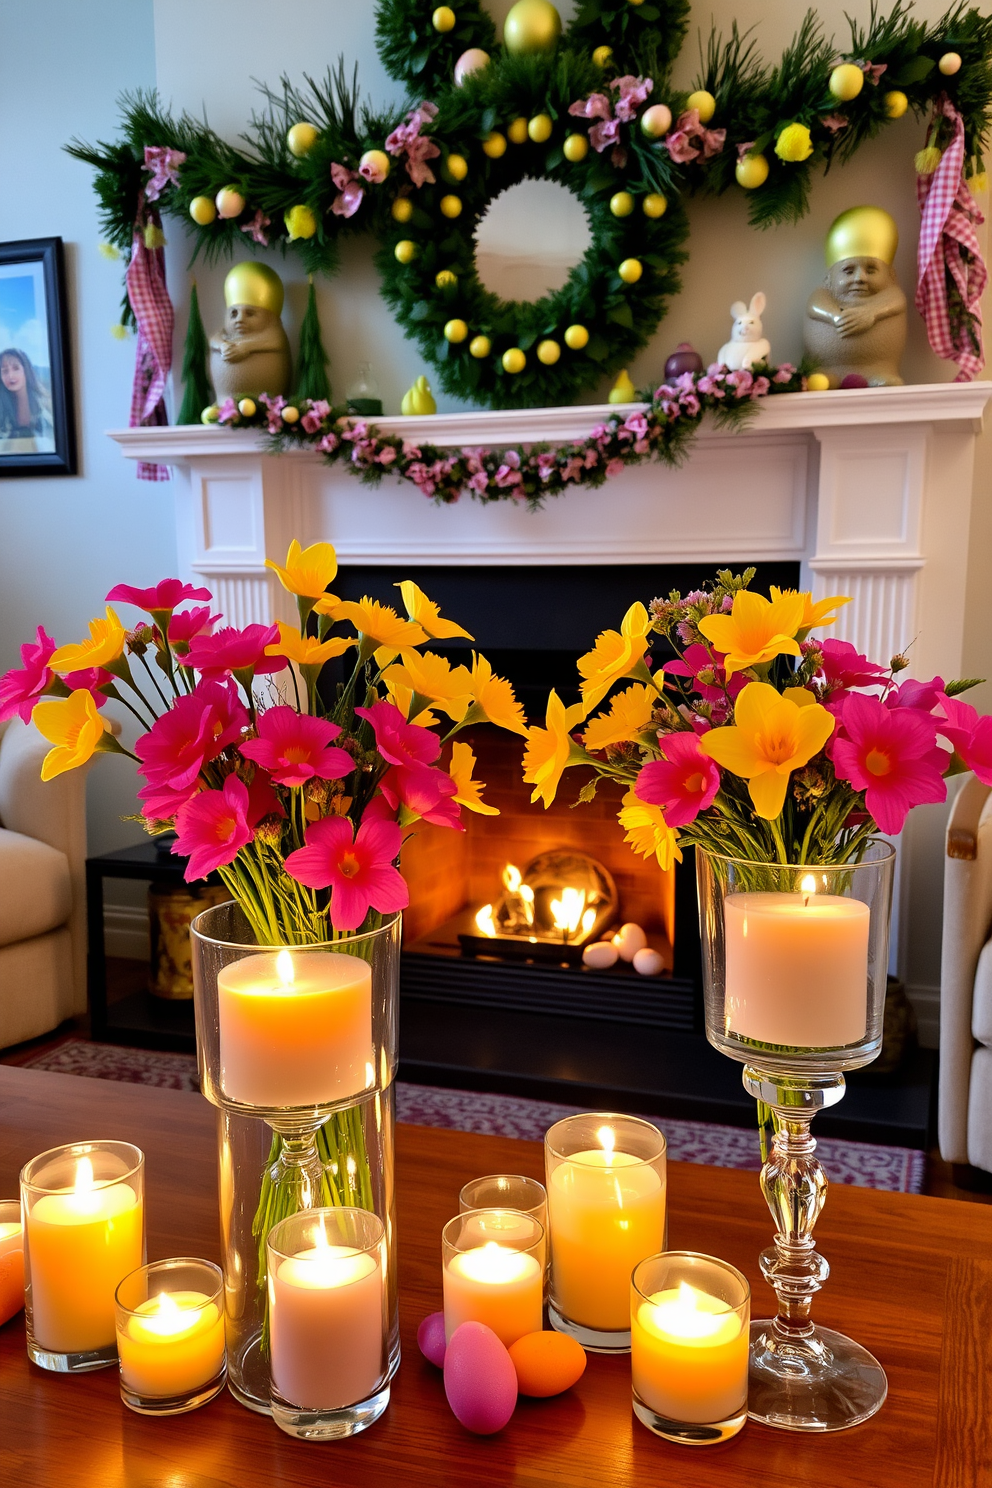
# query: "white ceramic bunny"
746, 345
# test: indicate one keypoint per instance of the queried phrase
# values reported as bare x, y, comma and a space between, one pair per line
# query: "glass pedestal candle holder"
794, 969
689, 1318
328, 1314
493, 1270
11, 1259
84, 1231
606, 1181
170, 1336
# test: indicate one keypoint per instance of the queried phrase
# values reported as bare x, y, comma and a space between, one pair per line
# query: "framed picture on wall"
37, 419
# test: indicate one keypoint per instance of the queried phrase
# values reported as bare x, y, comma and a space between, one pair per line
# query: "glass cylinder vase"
297, 1047
795, 959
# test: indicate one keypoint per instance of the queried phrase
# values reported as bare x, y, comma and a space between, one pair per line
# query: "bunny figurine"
746, 346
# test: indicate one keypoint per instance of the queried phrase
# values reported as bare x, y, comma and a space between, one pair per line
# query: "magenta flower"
358, 870
601, 135
969, 735
295, 747
21, 687
891, 755
596, 106
350, 190
633, 92
844, 667
683, 783
231, 650
93, 680
913, 694
399, 742
257, 227
212, 828
697, 663
161, 802
188, 624
196, 729
164, 596
424, 792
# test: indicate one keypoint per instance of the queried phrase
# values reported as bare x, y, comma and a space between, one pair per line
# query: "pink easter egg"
854, 380
479, 1379
471, 61
430, 1339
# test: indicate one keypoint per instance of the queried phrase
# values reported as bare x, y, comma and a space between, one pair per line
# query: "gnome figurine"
250, 355
856, 320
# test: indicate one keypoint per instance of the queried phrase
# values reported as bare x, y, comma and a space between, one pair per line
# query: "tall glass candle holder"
170, 1336
11, 1259
689, 1318
329, 1323
493, 1269
606, 1181
507, 1191
794, 969
84, 1230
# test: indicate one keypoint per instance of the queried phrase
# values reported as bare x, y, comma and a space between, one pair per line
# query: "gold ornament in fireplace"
562, 898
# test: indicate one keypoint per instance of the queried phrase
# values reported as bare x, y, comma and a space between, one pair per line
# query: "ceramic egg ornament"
949, 64
479, 1379
685, 358
203, 211
531, 26
547, 1363
229, 202
656, 121
601, 955
648, 962
846, 82
301, 138
474, 60
430, 1339
629, 939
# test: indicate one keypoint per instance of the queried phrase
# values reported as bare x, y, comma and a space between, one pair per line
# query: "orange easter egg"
547, 1363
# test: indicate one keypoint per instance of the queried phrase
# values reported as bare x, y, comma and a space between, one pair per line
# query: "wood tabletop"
911, 1279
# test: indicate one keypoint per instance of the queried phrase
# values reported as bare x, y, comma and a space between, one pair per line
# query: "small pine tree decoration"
197, 392
311, 378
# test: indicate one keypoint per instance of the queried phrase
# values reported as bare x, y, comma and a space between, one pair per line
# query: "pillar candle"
81, 1242
295, 1030
172, 1344
11, 1269
495, 1285
326, 1324
689, 1356
607, 1212
797, 968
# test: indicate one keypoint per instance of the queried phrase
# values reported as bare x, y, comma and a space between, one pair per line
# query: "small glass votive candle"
328, 1322
493, 1272
507, 1191
606, 1205
11, 1259
690, 1336
170, 1336
84, 1231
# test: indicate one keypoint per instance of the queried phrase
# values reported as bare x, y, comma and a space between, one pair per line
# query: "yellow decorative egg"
656, 121
374, 166
531, 26
949, 64
247, 408
514, 360
443, 19
480, 346
445, 279
456, 167
517, 132
846, 82
631, 270
621, 204
547, 1363
540, 128
576, 338
896, 104
402, 209
654, 205
405, 251
229, 202
451, 206
548, 352
300, 222
301, 138
817, 382
623, 390
602, 55
455, 331
576, 148
751, 172
290, 415
704, 103
202, 210
494, 145
210, 415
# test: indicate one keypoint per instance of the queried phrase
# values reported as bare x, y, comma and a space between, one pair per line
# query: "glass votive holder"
84, 1230
11, 1259
493, 1272
170, 1336
328, 1321
507, 1191
606, 1205
690, 1333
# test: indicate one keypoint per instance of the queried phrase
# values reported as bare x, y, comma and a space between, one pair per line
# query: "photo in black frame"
37, 418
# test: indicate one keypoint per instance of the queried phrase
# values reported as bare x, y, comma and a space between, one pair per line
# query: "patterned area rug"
866, 1164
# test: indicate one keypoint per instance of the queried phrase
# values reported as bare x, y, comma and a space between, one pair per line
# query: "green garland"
754, 108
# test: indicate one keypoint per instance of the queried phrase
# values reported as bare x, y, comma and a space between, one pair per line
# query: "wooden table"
912, 1280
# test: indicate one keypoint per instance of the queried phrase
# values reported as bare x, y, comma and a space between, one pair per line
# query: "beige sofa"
965, 1105
42, 889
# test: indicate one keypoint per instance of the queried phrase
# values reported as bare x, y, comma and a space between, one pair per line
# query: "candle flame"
567, 911
320, 1240
588, 920
512, 878
166, 1306
484, 921
84, 1176
284, 968
607, 1139
808, 884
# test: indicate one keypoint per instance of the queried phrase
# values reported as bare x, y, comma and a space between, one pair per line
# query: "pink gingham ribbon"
154, 317
949, 249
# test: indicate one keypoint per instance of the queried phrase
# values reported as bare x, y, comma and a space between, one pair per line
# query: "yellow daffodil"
306, 650
427, 614
433, 679
630, 713
771, 736
550, 750
815, 612
468, 791
103, 645
381, 628
403, 697
307, 571
648, 832
756, 630
74, 726
616, 654
492, 700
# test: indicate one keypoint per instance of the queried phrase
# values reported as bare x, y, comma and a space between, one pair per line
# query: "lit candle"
326, 1324
607, 1212
81, 1241
496, 1285
11, 1261
295, 1030
797, 967
506, 1227
689, 1355
171, 1345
